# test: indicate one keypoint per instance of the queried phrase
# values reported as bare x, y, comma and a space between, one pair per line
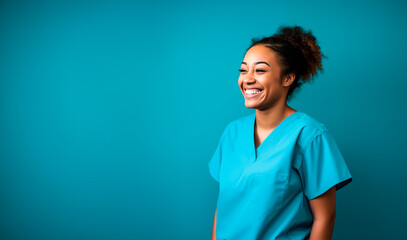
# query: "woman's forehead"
259, 53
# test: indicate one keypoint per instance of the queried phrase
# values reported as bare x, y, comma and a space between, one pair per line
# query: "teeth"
251, 91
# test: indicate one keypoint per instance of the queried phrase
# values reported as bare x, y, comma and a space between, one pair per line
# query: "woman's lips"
252, 92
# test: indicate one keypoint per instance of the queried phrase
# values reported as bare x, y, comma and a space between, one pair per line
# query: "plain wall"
110, 112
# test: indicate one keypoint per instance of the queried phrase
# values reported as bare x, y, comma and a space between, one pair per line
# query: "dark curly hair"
298, 51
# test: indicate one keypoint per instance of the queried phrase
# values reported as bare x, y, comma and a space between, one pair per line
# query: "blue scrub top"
264, 192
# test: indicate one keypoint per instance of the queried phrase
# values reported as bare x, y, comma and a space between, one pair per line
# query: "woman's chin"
253, 102
250, 105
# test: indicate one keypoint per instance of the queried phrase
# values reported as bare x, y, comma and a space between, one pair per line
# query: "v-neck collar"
257, 151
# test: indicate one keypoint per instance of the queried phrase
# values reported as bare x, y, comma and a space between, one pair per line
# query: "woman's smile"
252, 92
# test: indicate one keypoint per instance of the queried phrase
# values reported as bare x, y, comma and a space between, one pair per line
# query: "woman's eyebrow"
257, 63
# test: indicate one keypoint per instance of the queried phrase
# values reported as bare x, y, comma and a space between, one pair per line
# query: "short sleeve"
323, 166
215, 161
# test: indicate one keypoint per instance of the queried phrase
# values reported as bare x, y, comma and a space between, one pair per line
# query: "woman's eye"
258, 70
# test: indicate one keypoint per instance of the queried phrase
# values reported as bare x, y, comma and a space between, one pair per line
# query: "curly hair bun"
306, 43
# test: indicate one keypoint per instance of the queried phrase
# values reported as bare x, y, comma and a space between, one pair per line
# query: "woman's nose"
249, 79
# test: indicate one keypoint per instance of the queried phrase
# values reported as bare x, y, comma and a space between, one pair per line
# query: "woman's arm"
324, 211
214, 227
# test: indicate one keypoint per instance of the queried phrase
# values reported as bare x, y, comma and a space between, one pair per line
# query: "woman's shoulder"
309, 128
239, 121
309, 122
239, 124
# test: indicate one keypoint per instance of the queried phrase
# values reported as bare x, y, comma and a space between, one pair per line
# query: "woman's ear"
288, 79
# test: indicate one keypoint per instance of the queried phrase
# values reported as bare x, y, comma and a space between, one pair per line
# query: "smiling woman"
278, 168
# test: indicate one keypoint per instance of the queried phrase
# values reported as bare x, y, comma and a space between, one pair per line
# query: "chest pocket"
267, 193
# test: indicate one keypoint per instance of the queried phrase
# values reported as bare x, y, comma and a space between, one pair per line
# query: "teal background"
110, 112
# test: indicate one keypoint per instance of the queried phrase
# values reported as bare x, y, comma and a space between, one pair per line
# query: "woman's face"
260, 78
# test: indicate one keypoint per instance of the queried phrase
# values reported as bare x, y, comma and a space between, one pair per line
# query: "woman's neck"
269, 119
